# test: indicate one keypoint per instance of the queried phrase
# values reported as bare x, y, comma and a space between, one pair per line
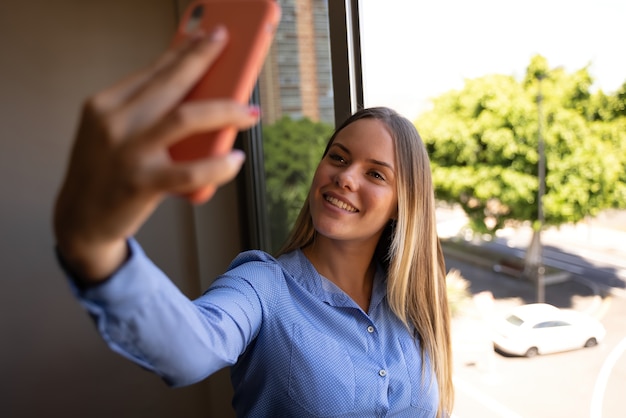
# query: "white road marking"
488, 402
603, 378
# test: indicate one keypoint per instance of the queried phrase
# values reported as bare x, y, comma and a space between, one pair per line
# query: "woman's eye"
377, 175
336, 157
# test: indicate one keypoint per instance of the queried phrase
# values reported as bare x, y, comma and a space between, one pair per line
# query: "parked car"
540, 328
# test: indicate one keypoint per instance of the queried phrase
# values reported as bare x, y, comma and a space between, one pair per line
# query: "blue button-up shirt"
297, 344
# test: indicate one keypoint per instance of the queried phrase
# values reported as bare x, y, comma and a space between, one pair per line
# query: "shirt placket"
380, 372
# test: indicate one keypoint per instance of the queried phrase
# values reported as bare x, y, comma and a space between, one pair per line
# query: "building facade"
296, 79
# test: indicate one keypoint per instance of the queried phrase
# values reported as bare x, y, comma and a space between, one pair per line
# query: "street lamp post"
534, 269
541, 174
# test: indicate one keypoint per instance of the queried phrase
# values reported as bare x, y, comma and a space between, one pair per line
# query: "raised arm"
120, 170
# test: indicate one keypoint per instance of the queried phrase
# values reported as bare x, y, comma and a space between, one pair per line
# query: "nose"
345, 179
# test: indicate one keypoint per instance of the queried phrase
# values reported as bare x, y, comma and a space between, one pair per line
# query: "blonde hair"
409, 249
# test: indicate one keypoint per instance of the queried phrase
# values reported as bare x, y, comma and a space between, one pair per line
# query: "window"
417, 58
301, 91
515, 320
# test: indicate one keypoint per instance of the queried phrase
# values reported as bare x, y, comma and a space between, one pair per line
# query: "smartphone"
251, 25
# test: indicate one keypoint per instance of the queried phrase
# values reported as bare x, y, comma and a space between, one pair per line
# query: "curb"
555, 278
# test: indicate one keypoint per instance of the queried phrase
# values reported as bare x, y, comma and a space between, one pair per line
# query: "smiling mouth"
341, 205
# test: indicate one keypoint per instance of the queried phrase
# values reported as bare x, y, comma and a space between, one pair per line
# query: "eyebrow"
371, 160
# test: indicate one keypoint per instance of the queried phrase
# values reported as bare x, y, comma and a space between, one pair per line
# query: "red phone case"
251, 25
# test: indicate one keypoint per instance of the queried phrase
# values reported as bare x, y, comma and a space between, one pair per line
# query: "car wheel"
591, 342
532, 352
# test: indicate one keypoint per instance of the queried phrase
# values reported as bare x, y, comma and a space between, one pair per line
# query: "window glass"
498, 91
296, 96
515, 320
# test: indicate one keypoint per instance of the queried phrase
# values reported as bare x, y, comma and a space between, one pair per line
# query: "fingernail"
254, 110
219, 33
237, 156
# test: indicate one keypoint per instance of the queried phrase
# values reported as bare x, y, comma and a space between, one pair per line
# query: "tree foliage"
292, 150
483, 143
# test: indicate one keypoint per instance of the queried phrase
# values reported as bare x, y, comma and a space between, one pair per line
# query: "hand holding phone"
251, 25
117, 174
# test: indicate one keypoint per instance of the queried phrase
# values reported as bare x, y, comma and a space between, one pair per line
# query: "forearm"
89, 256
143, 316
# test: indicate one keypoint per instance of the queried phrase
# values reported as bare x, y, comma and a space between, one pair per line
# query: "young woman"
350, 320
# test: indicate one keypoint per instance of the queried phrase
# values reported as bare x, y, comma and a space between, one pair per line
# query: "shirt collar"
302, 271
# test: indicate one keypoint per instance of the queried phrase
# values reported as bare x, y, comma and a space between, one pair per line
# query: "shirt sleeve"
144, 317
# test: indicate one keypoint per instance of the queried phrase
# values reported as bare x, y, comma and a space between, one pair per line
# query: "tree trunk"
533, 258
533, 264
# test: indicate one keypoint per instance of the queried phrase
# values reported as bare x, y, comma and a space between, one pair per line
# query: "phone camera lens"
195, 19
198, 11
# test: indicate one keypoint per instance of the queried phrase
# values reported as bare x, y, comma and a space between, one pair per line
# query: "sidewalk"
604, 234
600, 238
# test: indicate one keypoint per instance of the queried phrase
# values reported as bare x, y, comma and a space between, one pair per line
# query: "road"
581, 383
568, 384
605, 269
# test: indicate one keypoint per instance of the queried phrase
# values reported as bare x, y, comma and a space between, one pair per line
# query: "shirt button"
370, 329
382, 373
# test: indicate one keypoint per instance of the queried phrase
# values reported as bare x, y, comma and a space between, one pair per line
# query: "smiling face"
353, 194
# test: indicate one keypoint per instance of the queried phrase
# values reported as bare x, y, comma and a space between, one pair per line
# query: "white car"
540, 328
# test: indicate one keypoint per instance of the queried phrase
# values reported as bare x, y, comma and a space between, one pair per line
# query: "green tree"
292, 150
483, 143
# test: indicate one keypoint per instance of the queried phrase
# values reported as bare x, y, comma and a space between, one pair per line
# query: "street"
489, 384
581, 383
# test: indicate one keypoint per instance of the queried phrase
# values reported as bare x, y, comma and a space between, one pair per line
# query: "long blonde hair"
409, 249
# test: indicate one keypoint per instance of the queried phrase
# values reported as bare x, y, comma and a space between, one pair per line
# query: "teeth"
340, 204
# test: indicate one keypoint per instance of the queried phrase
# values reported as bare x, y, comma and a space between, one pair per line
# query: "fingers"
141, 91
120, 168
185, 178
172, 81
195, 117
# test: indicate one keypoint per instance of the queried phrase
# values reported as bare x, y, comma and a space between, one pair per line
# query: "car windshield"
515, 320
